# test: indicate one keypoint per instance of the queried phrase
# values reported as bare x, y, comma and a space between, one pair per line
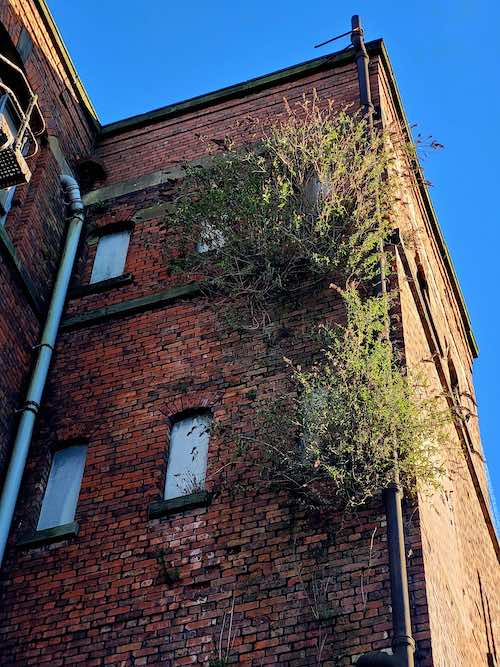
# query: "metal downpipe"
403, 644
29, 411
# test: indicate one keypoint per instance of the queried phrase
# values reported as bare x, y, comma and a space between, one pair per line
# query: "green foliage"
311, 200
332, 440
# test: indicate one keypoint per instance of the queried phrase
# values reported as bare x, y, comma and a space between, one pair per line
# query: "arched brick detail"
69, 429
192, 400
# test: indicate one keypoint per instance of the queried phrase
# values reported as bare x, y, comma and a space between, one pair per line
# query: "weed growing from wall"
331, 440
309, 202
312, 202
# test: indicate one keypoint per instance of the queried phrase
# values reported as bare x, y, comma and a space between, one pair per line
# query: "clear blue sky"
135, 56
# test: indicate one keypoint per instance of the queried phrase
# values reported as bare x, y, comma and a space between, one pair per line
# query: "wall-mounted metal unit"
17, 139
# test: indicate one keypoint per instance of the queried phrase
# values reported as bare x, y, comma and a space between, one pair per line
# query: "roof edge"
335, 59
375, 47
443, 248
67, 62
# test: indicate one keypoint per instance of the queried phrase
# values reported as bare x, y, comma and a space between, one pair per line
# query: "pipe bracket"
40, 345
30, 406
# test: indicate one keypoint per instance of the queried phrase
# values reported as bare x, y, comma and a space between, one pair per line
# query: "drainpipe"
403, 644
29, 411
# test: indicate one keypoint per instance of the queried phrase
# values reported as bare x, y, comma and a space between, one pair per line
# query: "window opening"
454, 383
210, 239
63, 487
111, 256
187, 457
424, 290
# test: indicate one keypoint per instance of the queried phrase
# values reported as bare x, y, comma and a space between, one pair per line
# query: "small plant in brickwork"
309, 201
224, 641
323, 609
168, 574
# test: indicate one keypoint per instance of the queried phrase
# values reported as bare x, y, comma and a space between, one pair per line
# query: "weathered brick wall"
100, 598
460, 561
35, 225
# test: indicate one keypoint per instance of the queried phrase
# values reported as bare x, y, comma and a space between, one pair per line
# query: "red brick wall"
35, 224
100, 598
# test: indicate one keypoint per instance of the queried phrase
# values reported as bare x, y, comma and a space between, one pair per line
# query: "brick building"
128, 574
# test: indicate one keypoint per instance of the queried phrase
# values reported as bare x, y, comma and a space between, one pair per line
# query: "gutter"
31, 407
239, 90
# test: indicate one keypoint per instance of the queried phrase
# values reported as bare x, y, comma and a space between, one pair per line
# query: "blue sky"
133, 57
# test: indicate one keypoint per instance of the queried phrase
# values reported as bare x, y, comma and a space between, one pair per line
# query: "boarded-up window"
63, 487
187, 457
110, 256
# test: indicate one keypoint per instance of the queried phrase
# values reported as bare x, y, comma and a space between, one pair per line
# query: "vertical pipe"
31, 405
403, 644
362, 60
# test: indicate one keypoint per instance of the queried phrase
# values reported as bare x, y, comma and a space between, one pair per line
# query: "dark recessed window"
424, 291
454, 383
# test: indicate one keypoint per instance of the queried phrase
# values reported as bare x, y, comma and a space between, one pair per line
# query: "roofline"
246, 87
67, 63
374, 47
343, 57
443, 248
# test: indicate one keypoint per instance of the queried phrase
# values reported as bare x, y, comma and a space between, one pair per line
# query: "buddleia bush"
333, 438
309, 201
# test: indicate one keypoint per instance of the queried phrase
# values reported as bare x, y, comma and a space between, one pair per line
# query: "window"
110, 256
187, 458
315, 190
63, 487
454, 383
24, 45
211, 239
6, 197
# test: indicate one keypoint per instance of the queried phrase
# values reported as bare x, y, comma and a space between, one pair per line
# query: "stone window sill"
101, 286
38, 538
175, 505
